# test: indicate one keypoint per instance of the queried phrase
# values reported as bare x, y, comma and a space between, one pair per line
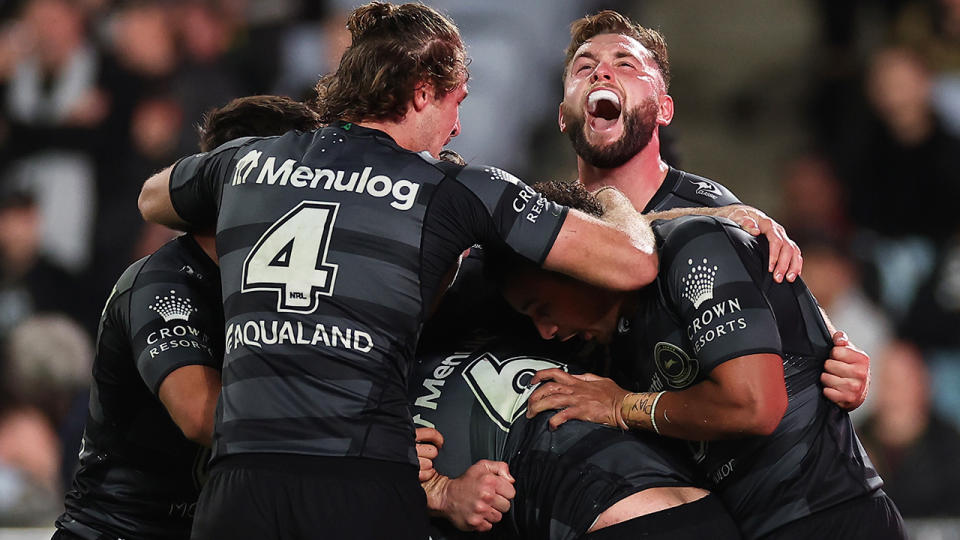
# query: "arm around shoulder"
618, 252
155, 203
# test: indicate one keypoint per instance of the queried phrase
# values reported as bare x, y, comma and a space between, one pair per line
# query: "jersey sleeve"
706, 282
171, 326
514, 212
196, 182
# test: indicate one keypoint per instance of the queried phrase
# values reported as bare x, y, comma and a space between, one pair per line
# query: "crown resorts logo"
698, 285
173, 307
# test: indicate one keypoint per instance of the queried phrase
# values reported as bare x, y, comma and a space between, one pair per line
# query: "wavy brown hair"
611, 22
392, 49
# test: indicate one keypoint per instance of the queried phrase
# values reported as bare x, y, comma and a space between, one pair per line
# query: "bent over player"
581, 478
156, 375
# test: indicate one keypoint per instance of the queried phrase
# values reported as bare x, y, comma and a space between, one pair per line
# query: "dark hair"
611, 22
392, 48
259, 116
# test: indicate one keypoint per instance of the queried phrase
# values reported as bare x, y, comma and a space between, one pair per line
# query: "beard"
638, 126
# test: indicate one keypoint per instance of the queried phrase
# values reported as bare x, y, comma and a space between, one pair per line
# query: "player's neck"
638, 179
208, 244
403, 132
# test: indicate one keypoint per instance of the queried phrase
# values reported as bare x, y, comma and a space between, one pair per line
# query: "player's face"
614, 98
562, 307
445, 119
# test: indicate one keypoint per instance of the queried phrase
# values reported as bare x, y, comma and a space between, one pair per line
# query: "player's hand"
846, 375
785, 258
585, 397
476, 500
429, 443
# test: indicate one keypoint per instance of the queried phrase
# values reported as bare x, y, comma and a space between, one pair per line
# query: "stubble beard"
638, 126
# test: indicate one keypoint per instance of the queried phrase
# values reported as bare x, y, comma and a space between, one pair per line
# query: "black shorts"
871, 517
274, 496
703, 518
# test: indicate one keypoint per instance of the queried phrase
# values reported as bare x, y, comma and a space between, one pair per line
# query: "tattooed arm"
741, 397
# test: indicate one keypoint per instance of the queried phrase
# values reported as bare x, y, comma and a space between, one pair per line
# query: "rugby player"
156, 375
616, 84
332, 247
719, 353
582, 478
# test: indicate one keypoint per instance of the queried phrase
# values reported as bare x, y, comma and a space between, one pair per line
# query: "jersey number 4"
291, 258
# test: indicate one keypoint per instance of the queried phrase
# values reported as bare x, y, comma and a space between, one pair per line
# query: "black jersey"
332, 246
477, 399
139, 477
681, 189
714, 301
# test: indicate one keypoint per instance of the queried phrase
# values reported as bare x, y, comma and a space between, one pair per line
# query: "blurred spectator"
812, 197
49, 361
52, 85
914, 450
30, 491
206, 76
29, 281
934, 317
901, 159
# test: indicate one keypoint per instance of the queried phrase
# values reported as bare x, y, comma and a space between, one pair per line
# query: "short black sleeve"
196, 181
171, 324
522, 218
723, 311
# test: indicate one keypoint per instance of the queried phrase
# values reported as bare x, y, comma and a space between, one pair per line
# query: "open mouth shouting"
603, 109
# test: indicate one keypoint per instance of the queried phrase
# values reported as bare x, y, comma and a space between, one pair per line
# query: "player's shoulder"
701, 190
704, 235
180, 261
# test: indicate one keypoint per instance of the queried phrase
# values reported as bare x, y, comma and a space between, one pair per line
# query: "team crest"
673, 364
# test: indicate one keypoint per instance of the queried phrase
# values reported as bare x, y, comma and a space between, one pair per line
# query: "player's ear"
422, 93
561, 121
665, 113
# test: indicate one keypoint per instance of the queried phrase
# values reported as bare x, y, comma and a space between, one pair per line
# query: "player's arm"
474, 501
785, 259
155, 203
846, 374
742, 397
186, 195
177, 357
190, 395
617, 252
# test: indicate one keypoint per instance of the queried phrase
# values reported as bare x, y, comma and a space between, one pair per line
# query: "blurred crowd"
95, 95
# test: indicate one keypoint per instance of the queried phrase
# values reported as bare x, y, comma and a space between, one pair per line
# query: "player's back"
331, 244
139, 476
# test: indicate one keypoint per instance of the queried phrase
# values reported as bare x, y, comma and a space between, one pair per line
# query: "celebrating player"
332, 247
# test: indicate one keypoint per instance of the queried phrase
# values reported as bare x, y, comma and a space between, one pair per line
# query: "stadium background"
841, 119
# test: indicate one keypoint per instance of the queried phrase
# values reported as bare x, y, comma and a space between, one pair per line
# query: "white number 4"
291, 258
